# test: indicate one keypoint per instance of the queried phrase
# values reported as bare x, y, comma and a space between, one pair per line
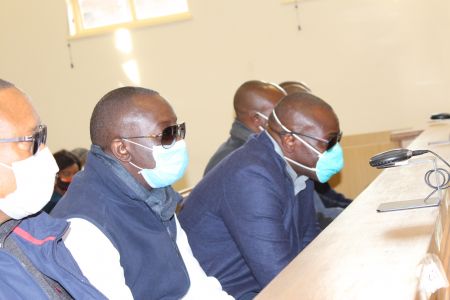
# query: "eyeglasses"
330, 143
168, 136
39, 137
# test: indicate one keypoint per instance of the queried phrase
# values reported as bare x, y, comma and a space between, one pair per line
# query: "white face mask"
35, 178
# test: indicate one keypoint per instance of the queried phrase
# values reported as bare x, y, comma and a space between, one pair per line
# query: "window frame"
81, 32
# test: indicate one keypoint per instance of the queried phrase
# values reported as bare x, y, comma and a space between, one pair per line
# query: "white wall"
382, 64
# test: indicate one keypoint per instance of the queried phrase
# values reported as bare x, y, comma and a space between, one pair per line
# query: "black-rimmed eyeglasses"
168, 136
330, 143
38, 138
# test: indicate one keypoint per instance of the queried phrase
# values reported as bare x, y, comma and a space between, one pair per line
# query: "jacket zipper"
186, 273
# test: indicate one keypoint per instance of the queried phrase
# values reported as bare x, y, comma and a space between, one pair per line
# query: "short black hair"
5, 84
65, 159
109, 109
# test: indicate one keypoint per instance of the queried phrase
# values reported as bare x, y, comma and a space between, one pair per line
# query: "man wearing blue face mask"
329, 203
124, 234
255, 209
253, 102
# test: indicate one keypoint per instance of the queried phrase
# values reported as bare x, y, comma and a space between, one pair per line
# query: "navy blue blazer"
243, 220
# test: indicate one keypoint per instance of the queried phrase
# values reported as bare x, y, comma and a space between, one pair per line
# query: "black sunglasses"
168, 136
330, 143
39, 137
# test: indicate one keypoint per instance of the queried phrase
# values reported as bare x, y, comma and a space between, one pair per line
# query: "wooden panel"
405, 137
357, 174
440, 244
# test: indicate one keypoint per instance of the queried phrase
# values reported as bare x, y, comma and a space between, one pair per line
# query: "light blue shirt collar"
299, 181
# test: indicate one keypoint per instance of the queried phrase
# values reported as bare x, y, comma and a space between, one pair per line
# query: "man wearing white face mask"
253, 102
34, 263
255, 210
124, 233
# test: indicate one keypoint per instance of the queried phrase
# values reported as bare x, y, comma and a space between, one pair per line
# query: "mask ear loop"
299, 164
262, 116
296, 136
5, 165
151, 149
287, 158
131, 163
261, 128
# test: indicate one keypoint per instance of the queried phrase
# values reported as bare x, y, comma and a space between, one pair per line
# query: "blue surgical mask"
329, 163
170, 164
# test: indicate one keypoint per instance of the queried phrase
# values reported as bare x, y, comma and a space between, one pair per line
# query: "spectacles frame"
39, 137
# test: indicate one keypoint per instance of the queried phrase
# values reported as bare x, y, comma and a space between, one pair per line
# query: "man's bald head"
15, 107
18, 118
312, 119
255, 96
252, 94
292, 87
301, 110
107, 117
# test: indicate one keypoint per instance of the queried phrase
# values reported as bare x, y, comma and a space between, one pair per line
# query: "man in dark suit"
254, 212
332, 203
253, 102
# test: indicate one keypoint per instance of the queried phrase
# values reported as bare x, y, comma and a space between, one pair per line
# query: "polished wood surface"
368, 255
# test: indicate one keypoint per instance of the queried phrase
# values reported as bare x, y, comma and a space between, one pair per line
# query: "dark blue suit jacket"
243, 220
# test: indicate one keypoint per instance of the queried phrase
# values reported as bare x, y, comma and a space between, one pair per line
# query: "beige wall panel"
382, 64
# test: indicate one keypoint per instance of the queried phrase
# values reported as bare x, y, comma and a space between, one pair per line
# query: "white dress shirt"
99, 261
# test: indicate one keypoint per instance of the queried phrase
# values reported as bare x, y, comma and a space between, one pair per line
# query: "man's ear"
257, 120
288, 143
119, 150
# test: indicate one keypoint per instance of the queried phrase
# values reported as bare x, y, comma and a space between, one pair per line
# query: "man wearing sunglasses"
34, 263
255, 209
330, 203
253, 102
124, 233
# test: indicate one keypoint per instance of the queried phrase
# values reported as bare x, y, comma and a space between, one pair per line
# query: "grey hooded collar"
240, 131
162, 201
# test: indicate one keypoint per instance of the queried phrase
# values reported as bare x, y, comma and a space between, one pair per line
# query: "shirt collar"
299, 181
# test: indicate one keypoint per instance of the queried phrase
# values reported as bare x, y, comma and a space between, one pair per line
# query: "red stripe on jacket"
27, 236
